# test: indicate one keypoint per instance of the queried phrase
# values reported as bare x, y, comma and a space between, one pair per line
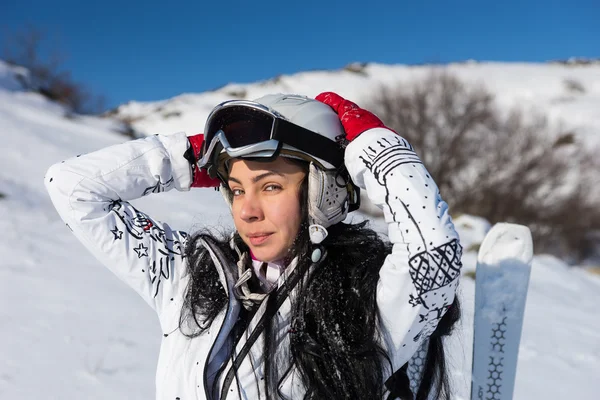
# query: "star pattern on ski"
118, 233
497, 340
496, 364
141, 250
496, 367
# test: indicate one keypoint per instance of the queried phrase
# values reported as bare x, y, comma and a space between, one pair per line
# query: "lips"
259, 238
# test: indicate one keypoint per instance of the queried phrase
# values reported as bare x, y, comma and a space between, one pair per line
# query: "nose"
251, 209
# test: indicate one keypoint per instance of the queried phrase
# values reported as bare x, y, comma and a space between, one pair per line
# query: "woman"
295, 304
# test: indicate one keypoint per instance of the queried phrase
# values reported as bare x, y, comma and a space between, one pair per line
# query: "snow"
503, 260
70, 329
535, 87
10, 77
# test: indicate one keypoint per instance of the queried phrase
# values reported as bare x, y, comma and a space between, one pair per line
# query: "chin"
266, 254
263, 255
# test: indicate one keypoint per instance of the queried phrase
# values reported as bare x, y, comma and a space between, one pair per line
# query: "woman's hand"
200, 176
355, 120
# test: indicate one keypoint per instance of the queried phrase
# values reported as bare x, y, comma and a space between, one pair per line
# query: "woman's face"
266, 205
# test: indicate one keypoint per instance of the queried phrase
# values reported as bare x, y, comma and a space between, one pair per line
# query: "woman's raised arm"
419, 278
92, 193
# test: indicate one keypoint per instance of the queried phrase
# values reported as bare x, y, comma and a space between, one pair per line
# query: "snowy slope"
547, 88
71, 330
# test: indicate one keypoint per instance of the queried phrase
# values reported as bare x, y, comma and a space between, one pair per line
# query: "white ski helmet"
292, 126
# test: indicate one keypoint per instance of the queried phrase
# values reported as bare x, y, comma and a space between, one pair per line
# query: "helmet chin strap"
268, 273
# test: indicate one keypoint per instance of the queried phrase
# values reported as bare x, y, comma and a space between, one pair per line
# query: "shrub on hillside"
24, 48
574, 86
503, 166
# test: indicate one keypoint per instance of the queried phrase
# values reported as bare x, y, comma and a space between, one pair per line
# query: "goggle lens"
242, 126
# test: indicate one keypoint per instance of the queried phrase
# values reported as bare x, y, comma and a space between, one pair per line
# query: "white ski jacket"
417, 281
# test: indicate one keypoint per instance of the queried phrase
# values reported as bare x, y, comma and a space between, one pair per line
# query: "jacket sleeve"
92, 192
418, 280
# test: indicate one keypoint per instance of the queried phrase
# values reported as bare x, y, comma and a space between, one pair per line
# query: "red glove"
355, 120
200, 176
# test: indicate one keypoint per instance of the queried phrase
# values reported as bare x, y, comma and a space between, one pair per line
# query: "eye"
237, 192
272, 188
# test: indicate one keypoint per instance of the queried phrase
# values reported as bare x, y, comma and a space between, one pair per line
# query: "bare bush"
574, 86
442, 118
357, 68
239, 93
505, 167
24, 48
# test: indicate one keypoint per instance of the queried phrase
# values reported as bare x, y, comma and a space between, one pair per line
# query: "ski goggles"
246, 129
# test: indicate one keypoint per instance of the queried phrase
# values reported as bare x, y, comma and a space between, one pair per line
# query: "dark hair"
434, 376
334, 340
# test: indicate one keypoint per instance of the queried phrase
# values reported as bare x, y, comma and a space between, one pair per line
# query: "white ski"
502, 278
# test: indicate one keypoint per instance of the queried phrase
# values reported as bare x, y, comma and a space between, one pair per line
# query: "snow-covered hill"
566, 93
71, 330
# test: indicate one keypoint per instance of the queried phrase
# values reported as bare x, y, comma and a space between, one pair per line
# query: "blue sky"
145, 50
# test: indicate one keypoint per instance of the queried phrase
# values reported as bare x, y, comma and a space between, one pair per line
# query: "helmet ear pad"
328, 196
